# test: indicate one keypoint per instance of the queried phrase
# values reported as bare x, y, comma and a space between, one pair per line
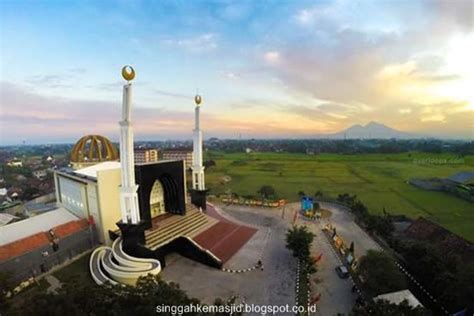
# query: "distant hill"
370, 131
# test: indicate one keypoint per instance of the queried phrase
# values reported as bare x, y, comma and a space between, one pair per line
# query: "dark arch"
170, 188
171, 176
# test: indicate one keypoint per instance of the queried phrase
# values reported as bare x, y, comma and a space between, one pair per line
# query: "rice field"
379, 180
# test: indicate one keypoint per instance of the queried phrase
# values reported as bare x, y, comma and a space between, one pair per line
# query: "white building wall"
72, 196
108, 186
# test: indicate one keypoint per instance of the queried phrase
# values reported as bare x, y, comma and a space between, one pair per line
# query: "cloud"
77, 70
200, 43
453, 14
272, 57
51, 81
26, 115
322, 12
405, 111
360, 70
231, 75
173, 94
110, 86
37, 119
235, 11
323, 65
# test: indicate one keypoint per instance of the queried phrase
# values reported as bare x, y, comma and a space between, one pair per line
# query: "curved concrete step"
113, 265
95, 266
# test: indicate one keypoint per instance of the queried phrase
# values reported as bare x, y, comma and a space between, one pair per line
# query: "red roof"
70, 228
21, 246
27, 244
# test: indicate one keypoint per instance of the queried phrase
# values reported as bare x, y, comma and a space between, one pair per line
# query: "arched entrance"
171, 194
157, 199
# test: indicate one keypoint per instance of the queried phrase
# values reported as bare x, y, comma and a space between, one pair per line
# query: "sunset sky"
265, 69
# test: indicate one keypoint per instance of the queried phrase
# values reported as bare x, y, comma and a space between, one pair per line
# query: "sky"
265, 69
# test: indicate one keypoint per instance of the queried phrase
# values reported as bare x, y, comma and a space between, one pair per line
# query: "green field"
379, 180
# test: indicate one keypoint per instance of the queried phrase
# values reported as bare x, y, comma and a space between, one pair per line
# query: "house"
7, 218
461, 184
15, 163
462, 178
400, 296
146, 155
4, 197
40, 174
423, 229
20, 177
179, 154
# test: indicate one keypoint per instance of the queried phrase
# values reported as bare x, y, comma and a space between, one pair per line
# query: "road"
348, 229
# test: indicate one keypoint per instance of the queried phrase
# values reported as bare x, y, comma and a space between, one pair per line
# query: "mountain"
371, 131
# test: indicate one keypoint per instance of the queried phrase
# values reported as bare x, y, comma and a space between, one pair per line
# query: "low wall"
34, 263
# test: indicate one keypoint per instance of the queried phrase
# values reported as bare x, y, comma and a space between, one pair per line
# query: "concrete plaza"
275, 285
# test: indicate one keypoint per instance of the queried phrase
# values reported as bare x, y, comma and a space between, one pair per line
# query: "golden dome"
92, 149
197, 99
128, 73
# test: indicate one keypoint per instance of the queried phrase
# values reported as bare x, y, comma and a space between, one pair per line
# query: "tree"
347, 199
318, 194
77, 298
266, 191
359, 210
382, 225
351, 248
379, 274
5, 286
442, 273
382, 307
299, 240
208, 164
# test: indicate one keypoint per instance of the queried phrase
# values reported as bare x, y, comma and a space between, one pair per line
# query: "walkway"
54, 283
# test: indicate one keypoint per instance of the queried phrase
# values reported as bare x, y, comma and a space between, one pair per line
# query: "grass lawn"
78, 270
28, 294
379, 180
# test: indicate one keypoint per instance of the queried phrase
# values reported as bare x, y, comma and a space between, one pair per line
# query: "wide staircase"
188, 225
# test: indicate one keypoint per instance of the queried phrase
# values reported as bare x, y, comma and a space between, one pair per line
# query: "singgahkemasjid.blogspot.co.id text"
232, 309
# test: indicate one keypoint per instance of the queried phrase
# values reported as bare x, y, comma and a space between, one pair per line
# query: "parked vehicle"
342, 272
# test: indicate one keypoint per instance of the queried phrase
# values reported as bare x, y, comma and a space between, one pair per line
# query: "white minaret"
198, 169
128, 189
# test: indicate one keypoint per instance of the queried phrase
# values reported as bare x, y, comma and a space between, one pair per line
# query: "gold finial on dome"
198, 99
128, 73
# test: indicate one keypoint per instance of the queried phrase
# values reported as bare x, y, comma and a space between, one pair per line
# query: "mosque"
142, 212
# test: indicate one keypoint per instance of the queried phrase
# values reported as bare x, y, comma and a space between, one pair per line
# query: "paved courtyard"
275, 285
